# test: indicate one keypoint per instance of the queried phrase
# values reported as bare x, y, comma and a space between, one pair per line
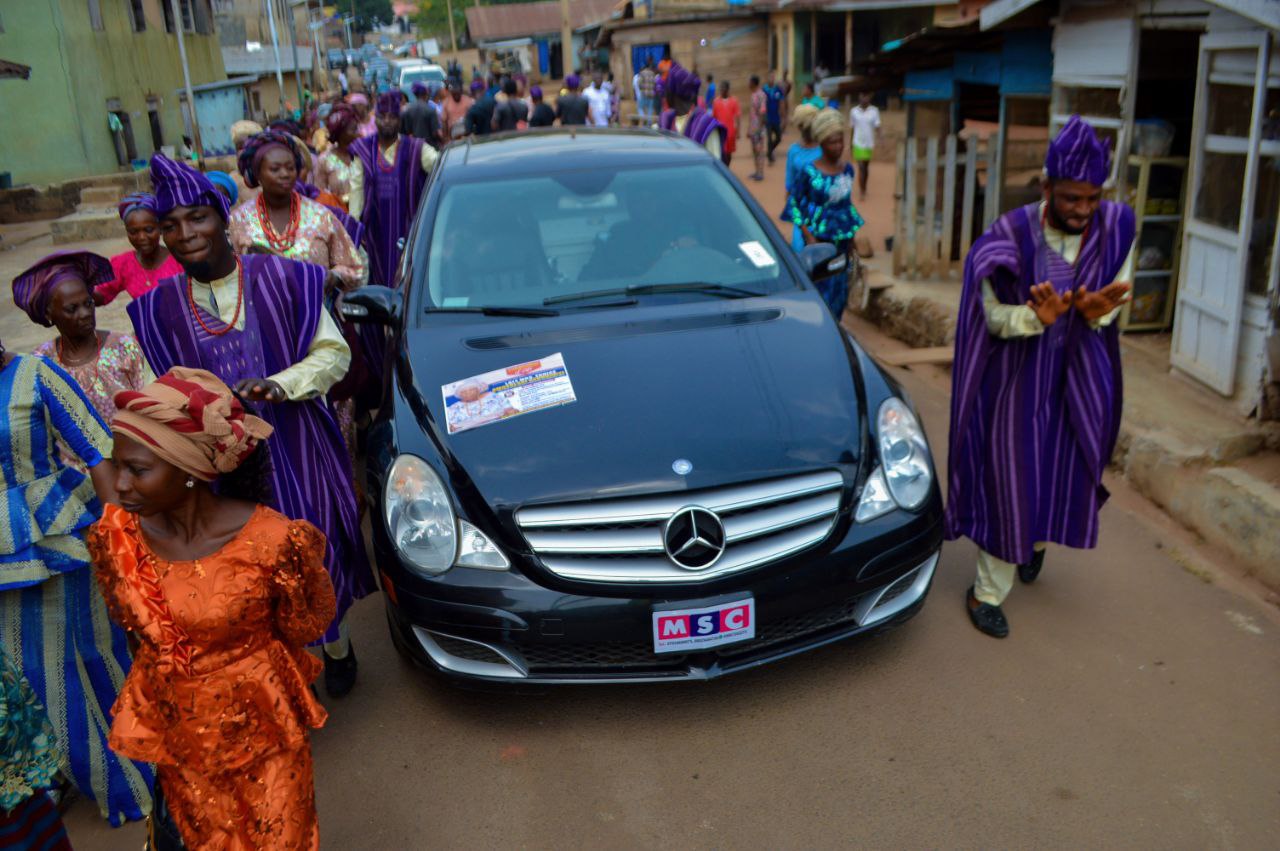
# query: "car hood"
741, 389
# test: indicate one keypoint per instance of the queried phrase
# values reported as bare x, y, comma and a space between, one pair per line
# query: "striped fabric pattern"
1077, 153
179, 185
311, 475
391, 198
34, 825
699, 127
1034, 420
45, 504
63, 641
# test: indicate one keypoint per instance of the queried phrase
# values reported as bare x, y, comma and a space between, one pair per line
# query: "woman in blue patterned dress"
821, 202
28, 765
53, 621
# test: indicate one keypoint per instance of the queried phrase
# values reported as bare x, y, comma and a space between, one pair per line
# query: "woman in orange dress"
221, 595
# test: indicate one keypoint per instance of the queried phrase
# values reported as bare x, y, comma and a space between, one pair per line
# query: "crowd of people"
182, 516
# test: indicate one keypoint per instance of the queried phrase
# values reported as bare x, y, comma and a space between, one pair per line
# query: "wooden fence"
942, 203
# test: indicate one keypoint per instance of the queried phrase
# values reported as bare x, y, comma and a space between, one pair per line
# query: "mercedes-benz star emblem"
694, 538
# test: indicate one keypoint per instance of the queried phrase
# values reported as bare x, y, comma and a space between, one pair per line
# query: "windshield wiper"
648, 289
496, 310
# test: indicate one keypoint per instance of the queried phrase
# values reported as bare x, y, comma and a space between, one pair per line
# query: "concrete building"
244, 33
525, 37
105, 83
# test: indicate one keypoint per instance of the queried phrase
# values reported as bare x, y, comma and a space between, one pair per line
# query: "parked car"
410, 71
337, 58
623, 438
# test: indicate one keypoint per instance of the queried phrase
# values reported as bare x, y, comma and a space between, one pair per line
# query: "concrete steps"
86, 225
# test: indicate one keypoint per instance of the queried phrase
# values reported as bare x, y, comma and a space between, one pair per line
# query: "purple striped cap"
1078, 154
179, 185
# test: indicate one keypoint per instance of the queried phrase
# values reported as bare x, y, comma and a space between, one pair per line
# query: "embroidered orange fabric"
218, 696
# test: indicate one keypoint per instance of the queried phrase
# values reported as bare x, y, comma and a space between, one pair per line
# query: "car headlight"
420, 516
476, 550
875, 499
904, 454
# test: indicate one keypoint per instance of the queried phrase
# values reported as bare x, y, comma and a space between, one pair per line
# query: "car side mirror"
822, 260
374, 304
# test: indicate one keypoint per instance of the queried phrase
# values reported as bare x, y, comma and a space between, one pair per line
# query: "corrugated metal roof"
515, 20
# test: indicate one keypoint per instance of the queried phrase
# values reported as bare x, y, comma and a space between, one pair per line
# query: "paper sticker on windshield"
757, 254
505, 393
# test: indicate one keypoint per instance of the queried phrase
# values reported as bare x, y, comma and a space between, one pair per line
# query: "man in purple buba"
386, 190
1036, 389
258, 323
685, 117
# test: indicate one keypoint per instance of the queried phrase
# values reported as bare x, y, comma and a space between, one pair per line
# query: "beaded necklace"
195, 311
280, 243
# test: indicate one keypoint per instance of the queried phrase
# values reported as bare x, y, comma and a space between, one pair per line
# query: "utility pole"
293, 45
275, 45
453, 37
568, 59
186, 80
320, 64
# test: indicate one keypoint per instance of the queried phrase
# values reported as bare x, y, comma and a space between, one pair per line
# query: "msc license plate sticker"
687, 630
504, 393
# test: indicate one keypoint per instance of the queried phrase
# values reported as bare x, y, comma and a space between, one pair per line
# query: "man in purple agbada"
685, 116
386, 190
1036, 388
258, 322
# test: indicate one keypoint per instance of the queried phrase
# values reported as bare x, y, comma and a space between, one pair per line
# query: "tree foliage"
432, 19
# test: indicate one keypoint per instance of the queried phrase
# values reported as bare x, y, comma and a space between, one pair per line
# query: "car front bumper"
504, 628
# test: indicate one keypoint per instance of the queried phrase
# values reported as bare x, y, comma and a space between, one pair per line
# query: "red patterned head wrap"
191, 419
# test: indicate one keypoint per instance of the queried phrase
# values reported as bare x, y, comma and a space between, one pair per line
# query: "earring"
191, 482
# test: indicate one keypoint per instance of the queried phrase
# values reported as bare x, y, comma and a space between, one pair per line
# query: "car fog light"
875, 500
476, 550
419, 516
904, 454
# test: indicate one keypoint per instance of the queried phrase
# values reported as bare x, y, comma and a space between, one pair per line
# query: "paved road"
1137, 704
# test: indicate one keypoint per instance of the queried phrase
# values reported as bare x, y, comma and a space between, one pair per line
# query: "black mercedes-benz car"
623, 438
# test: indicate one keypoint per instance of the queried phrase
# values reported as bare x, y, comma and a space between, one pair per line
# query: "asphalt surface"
1136, 704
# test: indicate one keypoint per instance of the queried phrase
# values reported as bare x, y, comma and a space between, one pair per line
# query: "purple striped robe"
391, 199
310, 470
1034, 420
354, 229
699, 127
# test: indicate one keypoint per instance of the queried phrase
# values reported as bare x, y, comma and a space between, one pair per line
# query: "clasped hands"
1048, 304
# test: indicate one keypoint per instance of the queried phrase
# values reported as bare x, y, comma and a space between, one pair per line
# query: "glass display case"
1156, 190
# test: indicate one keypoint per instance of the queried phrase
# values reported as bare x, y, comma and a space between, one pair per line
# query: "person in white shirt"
864, 120
599, 99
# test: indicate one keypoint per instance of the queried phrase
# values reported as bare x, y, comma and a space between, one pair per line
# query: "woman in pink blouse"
149, 263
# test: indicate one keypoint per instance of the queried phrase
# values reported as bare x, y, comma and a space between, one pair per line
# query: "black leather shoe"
340, 674
986, 617
1029, 571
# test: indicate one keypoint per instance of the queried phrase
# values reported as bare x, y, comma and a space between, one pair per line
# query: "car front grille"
617, 654
621, 540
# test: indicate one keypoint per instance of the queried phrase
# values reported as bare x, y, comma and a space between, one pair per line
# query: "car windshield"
573, 236
426, 75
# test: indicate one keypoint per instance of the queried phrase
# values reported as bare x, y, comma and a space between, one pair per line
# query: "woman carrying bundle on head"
821, 202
